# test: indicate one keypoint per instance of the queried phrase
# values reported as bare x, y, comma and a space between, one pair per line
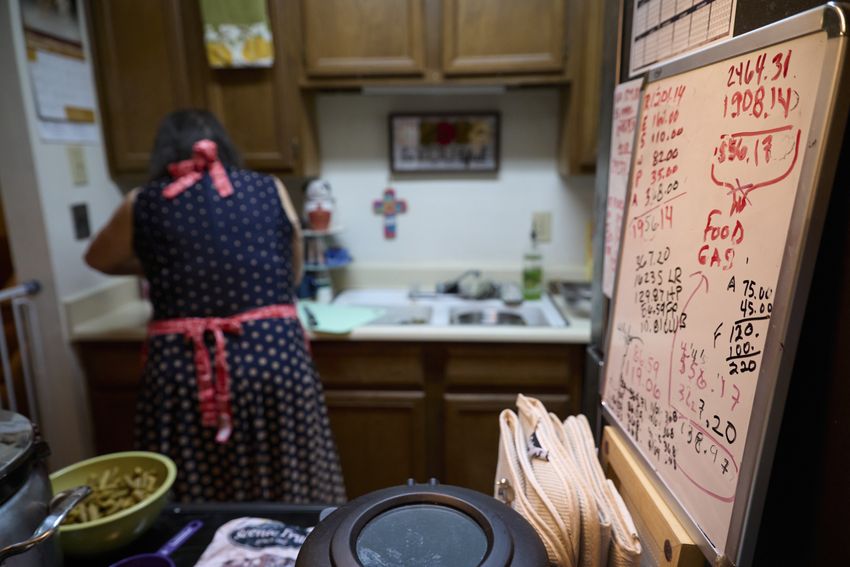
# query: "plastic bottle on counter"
324, 291
532, 270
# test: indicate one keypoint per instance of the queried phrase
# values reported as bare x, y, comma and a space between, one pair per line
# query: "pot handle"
60, 507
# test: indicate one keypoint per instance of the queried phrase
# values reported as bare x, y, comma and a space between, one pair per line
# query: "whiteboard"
623, 122
728, 182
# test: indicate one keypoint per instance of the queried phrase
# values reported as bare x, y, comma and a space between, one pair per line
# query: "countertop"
128, 322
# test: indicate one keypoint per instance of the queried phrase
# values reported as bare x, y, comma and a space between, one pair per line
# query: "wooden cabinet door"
380, 436
113, 376
471, 435
363, 37
580, 122
151, 60
503, 36
142, 71
257, 106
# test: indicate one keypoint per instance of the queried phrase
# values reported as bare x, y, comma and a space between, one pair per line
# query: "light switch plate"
77, 160
543, 226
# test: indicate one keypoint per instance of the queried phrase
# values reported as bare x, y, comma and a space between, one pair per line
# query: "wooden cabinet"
438, 43
380, 436
580, 101
113, 374
368, 42
143, 73
398, 410
483, 379
363, 37
150, 60
503, 36
420, 410
471, 434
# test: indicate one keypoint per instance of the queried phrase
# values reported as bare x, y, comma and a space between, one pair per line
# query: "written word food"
112, 492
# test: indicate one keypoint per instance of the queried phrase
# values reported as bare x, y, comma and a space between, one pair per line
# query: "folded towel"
237, 33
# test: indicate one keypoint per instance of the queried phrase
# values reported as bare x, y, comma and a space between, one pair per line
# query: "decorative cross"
389, 207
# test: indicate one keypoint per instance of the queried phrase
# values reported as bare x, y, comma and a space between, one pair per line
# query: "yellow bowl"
117, 530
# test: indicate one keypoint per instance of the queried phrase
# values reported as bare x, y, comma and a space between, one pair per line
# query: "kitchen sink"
403, 315
523, 317
449, 310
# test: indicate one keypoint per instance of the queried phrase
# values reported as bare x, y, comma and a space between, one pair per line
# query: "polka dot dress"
208, 256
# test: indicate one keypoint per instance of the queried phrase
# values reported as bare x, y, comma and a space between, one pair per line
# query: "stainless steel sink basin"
523, 317
403, 315
488, 317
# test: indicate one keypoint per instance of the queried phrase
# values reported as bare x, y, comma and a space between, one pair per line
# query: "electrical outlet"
542, 222
80, 215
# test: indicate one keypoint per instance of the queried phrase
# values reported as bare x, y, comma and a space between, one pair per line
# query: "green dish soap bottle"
532, 270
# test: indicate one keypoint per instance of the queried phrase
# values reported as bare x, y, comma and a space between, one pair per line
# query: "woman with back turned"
229, 388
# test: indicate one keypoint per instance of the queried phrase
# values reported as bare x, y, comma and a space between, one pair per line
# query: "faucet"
452, 286
448, 287
416, 293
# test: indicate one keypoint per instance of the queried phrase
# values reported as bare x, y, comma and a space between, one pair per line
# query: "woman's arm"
111, 251
297, 237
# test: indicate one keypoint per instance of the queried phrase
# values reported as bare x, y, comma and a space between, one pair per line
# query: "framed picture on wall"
444, 143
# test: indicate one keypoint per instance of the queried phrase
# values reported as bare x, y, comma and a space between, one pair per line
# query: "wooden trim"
363, 66
662, 535
282, 79
401, 399
436, 80
305, 157
98, 65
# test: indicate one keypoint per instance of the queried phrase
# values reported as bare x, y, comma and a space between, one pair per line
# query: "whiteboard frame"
795, 275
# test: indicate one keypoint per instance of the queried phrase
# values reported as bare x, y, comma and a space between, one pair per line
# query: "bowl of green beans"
129, 490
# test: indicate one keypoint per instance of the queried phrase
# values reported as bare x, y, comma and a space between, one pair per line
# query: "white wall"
37, 191
56, 185
454, 221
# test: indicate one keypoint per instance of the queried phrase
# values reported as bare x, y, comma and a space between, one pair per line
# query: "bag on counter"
254, 542
624, 548
548, 472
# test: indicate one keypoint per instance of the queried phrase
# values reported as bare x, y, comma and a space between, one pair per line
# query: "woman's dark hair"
179, 130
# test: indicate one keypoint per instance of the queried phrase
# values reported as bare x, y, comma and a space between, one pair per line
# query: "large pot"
29, 514
423, 524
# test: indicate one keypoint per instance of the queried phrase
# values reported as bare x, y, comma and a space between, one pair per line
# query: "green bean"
112, 492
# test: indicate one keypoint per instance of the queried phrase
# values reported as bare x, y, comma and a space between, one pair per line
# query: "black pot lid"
422, 525
422, 534
17, 438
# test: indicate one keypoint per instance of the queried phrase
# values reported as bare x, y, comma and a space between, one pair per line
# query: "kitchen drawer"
513, 366
350, 364
112, 364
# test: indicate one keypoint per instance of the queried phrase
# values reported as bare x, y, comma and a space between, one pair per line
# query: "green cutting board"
336, 319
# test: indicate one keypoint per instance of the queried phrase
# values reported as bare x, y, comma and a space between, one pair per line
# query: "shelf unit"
314, 257
331, 231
